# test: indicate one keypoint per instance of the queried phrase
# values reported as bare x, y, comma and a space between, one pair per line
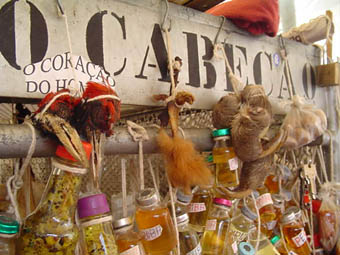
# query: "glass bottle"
294, 232
128, 241
266, 248
279, 205
8, 229
241, 227
96, 225
225, 159
155, 223
279, 245
245, 248
188, 239
182, 202
272, 184
214, 240
51, 228
198, 208
266, 208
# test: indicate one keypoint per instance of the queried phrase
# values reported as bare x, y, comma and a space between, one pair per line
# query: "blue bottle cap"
245, 248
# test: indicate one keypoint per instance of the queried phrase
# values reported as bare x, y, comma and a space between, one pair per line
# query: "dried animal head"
225, 110
255, 96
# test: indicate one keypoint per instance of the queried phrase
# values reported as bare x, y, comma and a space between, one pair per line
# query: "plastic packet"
304, 123
329, 225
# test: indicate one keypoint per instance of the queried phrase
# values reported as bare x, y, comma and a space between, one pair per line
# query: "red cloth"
255, 16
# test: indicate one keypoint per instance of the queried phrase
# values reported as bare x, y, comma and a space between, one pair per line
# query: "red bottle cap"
63, 153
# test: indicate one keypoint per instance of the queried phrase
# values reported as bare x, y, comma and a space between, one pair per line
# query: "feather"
185, 166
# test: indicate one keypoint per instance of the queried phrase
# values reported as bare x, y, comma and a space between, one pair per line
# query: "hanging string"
15, 182
258, 223
322, 163
331, 155
124, 192
153, 178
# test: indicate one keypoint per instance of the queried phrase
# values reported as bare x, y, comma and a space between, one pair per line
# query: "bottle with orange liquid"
266, 208
128, 241
198, 208
294, 232
279, 205
272, 184
225, 159
155, 224
214, 240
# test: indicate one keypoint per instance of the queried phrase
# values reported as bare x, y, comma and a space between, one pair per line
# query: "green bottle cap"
221, 132
275, 239
8, 225
209, 159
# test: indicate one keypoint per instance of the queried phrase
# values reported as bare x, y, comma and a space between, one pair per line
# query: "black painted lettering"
61, 84
308, 81
122, 26
193, 62
58, 62
68, 60
257, 69
80, 64
284, 79
43, 68
209, 67
88, 69
44, 87
230, 56
244, 55
29, 69
31, 86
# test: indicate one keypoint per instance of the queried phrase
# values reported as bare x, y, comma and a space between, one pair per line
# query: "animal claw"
66, 134
274, 144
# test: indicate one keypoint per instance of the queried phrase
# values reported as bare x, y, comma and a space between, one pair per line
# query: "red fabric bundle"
255, 16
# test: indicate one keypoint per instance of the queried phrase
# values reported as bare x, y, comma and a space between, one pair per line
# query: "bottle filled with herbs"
96, 226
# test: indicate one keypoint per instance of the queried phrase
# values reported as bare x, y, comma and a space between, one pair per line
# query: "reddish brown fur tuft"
94, 89
185, 166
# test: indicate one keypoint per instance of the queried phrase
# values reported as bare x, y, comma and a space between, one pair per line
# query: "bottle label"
196, 251
300, 239
236, 234
292, 253
263, 200
152, 233
233, 163
132, 251
197, 207
211, 225
234, 247
271, 225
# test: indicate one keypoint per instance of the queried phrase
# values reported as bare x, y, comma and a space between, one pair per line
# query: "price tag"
197, 207
152, 233
211, 225
196, 251
300, 239
132, 251
233, 164
263, 200
309, 171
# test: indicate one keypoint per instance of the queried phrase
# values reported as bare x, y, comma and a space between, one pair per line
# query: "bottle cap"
245, 210
182, 218
209, 159
291, 214
183, 198
147, 197
8, 225
63, 153
221, 132
92, 205
245, 248
121, 223
277, 199
275, 239
222, 201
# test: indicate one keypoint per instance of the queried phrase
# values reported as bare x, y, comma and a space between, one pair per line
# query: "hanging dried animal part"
98, 115
185, 166
225, 110
255, 96
56, 121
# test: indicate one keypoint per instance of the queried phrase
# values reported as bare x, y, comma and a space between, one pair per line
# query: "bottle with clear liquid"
9, 228
51, 228
128, 241
225, 159
182, 202
198, 208
279, 245
155, 224
266, 208
188, 239
242, 225
265, 247
96, 226
214, 240
294, 232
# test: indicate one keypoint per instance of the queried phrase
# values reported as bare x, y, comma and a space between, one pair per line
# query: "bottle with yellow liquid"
128, 241
272, 183
279, 205
214, 240
278, 244
225, 159
265, 247
242, 225
155, 224
198, 208
294, 232
188, 238
266, 208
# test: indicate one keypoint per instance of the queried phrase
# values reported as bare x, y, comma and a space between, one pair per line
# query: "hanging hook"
60, 6
165, 17
219, 30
